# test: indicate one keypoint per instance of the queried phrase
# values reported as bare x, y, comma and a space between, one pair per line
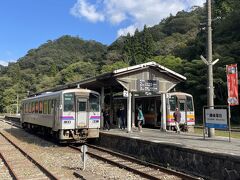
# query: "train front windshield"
94, 102
175, 102
69, 102
189, 103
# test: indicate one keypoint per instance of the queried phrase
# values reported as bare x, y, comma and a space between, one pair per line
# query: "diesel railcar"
184, 102
69, 115
152, 108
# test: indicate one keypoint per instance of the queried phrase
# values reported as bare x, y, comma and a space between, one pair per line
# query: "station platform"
210, 158
216, 144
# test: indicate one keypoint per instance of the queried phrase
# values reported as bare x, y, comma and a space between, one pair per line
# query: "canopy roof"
112, 80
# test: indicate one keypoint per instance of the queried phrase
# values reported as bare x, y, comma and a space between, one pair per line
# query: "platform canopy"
143, 77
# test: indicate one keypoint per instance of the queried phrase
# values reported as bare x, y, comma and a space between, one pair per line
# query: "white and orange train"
152, 106
184, 102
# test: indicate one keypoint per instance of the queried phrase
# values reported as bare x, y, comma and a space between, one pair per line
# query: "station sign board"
147, 85
216, 118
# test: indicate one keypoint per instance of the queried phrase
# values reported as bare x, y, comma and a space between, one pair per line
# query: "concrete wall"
206, 165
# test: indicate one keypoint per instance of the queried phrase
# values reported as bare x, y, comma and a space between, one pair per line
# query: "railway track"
5, 172
144, 169
19, 163
12, 120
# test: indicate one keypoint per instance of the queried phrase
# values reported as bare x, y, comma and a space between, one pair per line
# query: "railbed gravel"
63, 160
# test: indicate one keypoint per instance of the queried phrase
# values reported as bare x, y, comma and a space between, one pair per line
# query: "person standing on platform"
106, 118
122, 117
140, 118
177, 119
119, 117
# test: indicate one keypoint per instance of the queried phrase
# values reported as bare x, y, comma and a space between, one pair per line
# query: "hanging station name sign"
147, 85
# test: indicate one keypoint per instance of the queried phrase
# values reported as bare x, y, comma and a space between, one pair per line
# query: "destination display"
147, 85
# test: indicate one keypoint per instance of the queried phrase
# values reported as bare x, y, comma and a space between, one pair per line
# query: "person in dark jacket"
119, 117
177, 119
122, 117
106, 118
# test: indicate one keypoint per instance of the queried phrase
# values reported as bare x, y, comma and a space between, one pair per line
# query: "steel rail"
154, 166
43, 169
11, 171
133, 160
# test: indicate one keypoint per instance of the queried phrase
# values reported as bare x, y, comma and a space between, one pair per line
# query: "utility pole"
17, 104
211, 131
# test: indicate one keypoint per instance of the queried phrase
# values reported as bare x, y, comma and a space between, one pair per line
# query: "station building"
146, 85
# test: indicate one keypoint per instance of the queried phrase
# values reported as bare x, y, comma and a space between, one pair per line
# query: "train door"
81, 112
158, 111
182, 109
55, 109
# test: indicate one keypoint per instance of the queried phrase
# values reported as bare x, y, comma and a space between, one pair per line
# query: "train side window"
40, 107
29, 107
45, 107
189, 104
54, 101
26, 108
36, 107
33, 107
49, 106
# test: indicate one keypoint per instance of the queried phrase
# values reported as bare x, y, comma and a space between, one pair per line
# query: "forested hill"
62, 52
56, 62
176, 42
1, 68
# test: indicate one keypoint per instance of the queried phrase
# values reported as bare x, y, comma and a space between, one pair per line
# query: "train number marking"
67, 122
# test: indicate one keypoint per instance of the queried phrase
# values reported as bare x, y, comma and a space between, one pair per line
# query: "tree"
77, 71
223, 8
147, 44
9, 100
114, 66
171, 62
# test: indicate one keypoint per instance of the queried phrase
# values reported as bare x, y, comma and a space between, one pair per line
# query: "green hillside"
54, 63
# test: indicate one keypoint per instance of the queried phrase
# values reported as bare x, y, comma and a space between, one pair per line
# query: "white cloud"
89, 11
138, 13
130, 29
6, 62
117, 17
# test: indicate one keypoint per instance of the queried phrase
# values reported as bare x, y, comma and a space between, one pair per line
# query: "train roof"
47, 94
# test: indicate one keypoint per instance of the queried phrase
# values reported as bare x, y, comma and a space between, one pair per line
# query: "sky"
27, 24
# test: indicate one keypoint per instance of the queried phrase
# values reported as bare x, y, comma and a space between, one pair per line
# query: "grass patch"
219, 133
